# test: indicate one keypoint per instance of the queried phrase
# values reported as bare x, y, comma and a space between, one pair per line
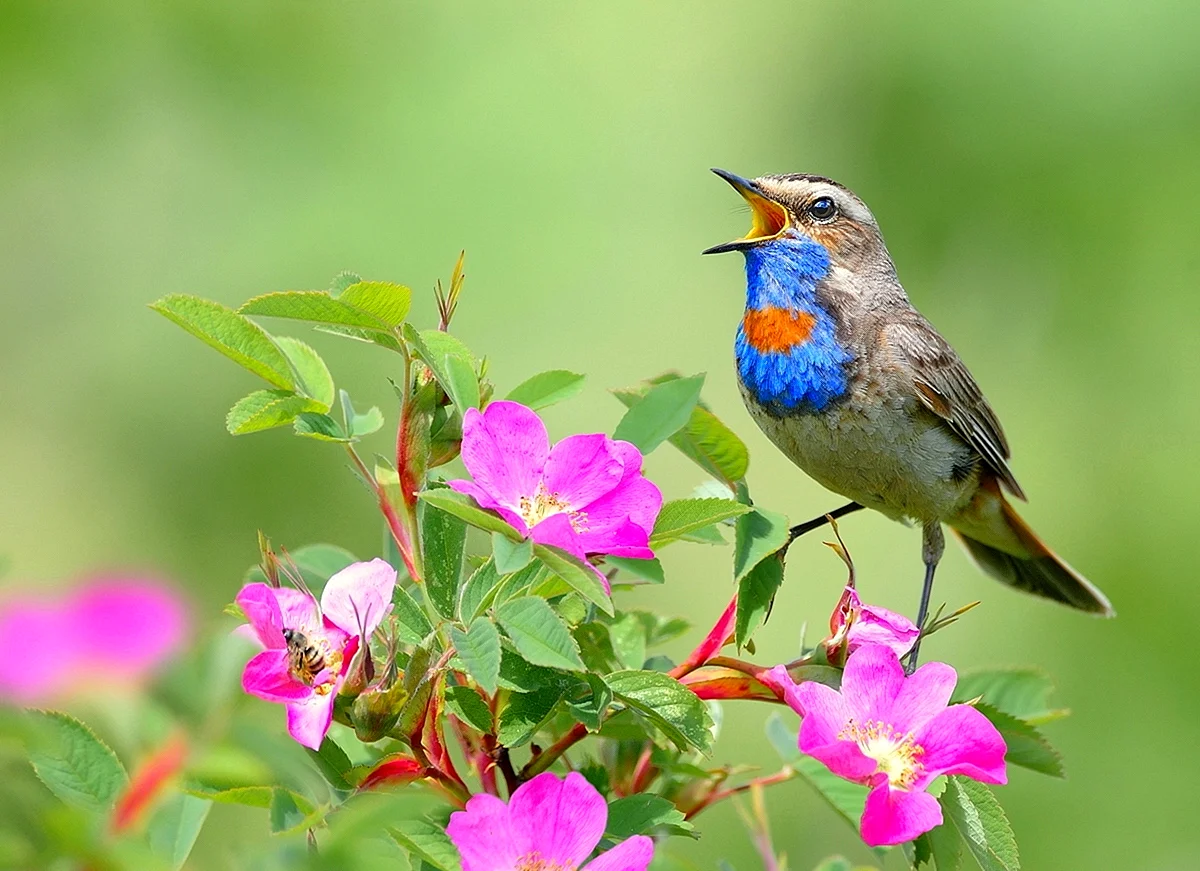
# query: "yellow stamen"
896, 755
536, 508
534, 862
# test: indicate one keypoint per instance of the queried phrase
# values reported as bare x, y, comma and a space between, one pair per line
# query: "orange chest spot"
777, 329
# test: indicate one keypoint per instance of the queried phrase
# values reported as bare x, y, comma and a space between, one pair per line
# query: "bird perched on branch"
862, 393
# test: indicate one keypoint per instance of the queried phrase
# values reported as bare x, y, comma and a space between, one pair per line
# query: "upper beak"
769, 218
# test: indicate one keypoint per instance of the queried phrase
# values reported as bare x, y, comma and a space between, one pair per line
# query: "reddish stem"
781, 776
546, 758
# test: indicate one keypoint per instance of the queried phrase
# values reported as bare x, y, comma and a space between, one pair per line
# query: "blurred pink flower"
895, 734
547, 824
585, 495
856, 624
107, 631
308, 649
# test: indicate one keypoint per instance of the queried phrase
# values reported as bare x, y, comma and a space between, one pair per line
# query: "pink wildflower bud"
853, 624
395, 770
375, 712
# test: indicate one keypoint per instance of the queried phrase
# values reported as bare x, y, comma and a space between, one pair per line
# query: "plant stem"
547, 757
783, 775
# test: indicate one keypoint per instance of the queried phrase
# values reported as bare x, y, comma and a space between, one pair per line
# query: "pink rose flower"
895, 734
586, 494
308, 649
547, 825
106, 632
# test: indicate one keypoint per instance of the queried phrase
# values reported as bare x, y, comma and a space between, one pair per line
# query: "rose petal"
845, 759
960, 740
267, 676
130, 626
557, 531
48, 656
308, 721
876, 625
637, 500
893, 816
299, 609
826, 713
359, 592
484, 835
871, 681
620, 540
505, 449
562, 820
925, 694
261, 607
632, 854
581, 469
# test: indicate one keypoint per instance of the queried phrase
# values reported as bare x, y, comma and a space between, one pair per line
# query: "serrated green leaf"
428, 841
74, 764
540, 635
757, 535
318, 426
663, 411
412, 626
589, 701
333, 763
317, 306
175, 826
249, 796
756, 593
479, 649
233, 335
641, 814
578, 575
628, 637
465, 703
342, 280
1026, 745
386, 301
673, 708
525, 714
974, 811
478, 591
650, 570
451, 363
1021, 692
847, 798
289, 811
312, 375
443, 543
510, 556
546, 388
264, 409
523, 677
945, 847
357, 424
361, 334
682, 516
465, 508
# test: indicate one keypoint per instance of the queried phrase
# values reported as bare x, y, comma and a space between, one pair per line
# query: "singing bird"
860, 391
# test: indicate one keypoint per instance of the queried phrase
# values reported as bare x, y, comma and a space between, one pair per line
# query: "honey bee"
305, 659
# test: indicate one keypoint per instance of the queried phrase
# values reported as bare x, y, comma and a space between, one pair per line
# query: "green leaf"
465, 508
758, 535
176, 825
466, 704
546, 388
479, 591
264, 409
589, 701
357, 424
428, 841
412, 625
756, 594
332, 762
628, 636
321, 427
665, 409
974, 811
289, 812
312, 375
317, 306
237, 337
673, 708
647, 569
77, 766
682, 516
641, 814
361, 334
387, 302
249, 796
523, 677
847, 798
1020, 692
317, 564
1027, 746
443, 543
578, 575
342, 280
525, 714
479, 649
540, 636
945, 847
511, 556
451, 363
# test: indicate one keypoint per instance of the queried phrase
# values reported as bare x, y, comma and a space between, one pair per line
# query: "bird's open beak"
769, 218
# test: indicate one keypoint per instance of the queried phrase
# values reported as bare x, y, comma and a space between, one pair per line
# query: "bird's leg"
933, 545
817, 522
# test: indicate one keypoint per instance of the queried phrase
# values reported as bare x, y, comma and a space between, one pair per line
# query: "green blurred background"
1033, 166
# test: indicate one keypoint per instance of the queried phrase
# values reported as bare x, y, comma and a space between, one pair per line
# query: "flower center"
536, 508
534, 862
308, 656
896, 755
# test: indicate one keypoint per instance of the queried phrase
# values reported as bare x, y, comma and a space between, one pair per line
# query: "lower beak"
769, 218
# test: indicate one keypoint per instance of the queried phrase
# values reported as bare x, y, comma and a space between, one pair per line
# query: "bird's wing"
946, 388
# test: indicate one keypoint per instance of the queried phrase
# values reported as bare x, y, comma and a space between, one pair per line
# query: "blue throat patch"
800, 364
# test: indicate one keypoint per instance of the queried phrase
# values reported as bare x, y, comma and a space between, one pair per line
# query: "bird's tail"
1007, 549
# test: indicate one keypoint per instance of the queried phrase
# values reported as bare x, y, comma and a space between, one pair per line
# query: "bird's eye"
823, 209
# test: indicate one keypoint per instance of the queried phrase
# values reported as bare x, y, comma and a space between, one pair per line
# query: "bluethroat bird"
862, 393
